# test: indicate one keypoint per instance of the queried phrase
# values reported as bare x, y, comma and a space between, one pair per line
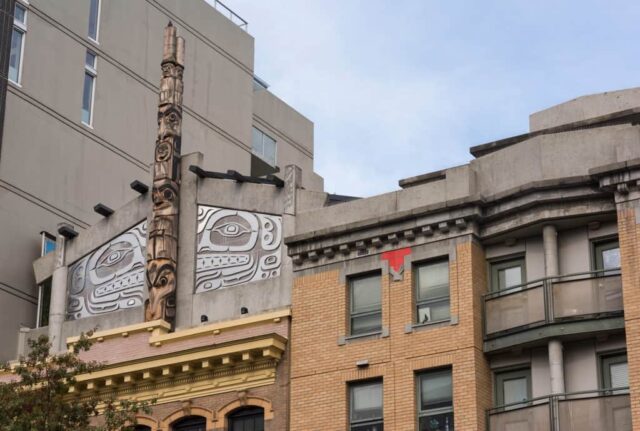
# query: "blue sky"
404, 87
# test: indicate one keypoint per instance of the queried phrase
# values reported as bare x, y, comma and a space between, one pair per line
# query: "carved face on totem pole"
109, 279
236, 247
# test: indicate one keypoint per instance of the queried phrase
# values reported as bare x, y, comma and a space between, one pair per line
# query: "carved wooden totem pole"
162, 246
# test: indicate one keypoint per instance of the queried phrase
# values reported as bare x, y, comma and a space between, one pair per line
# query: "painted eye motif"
113, 257
231, 229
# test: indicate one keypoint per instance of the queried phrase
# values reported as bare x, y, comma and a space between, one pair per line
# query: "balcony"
584, 411
231, 15
554, 306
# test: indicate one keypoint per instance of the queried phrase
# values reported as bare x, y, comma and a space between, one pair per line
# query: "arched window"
190, 423
140, 428
246, 419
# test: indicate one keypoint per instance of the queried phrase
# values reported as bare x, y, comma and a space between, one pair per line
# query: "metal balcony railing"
233, 17
585, 411
553, 299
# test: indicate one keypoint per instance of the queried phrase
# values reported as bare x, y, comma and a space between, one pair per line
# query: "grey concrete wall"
585, 107
542, 158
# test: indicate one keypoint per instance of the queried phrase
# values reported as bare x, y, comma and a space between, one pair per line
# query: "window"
48, 243
607, 256
190, 423
365, 304
88, 91
435, 401
432, 291
247, 419
264, 146
17, 43
615, 371
94, 19
44, 299
365, 406
513, 386
507, 273
140, 428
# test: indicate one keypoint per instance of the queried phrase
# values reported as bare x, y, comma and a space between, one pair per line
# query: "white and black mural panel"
110, 278
236, 247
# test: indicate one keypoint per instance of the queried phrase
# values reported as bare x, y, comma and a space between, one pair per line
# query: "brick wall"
321, 368
629, 236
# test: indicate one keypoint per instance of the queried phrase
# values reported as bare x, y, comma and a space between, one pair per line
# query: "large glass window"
190, 423
17, 43
264, 146
365, 304
432, 291
365, 406
435, 400
246, 419
607, 256
615, 371
513, 386
88, 91
94, 19
507, 273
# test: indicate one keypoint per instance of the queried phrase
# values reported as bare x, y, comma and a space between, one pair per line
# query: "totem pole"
162, 246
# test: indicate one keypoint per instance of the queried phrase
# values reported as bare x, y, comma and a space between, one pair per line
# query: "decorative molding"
236, 247
238, 365
244, 401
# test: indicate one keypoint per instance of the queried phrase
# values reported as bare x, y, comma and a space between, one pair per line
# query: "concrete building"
498, 295
501, 294
78, 116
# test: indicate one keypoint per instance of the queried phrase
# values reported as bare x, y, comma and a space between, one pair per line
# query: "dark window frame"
598, 246
607, 359
361, 423
190, 423
427, 413
355, 315
244, 413
500, 376
497, 265
418, 302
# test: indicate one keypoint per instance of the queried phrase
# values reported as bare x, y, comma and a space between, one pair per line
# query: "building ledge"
540, 334
621, 117
158, 339
155, 327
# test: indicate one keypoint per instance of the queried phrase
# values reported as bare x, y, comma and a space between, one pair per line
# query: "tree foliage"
39, 399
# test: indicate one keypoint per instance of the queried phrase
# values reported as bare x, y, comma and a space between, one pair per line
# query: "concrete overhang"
626, 116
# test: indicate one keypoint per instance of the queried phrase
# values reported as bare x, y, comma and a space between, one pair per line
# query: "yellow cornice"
269, 346
217, 327
155, 327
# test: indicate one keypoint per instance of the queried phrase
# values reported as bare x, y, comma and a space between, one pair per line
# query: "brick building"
501, 294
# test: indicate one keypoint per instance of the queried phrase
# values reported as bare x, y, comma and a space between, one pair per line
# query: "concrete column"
57, 307
551, 269
556, 367
187, 242
550, 242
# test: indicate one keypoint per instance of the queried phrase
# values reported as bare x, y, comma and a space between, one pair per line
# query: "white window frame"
97, 24
22, 28
94, 74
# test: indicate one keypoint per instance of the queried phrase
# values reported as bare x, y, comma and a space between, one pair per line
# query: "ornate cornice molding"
485, 216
